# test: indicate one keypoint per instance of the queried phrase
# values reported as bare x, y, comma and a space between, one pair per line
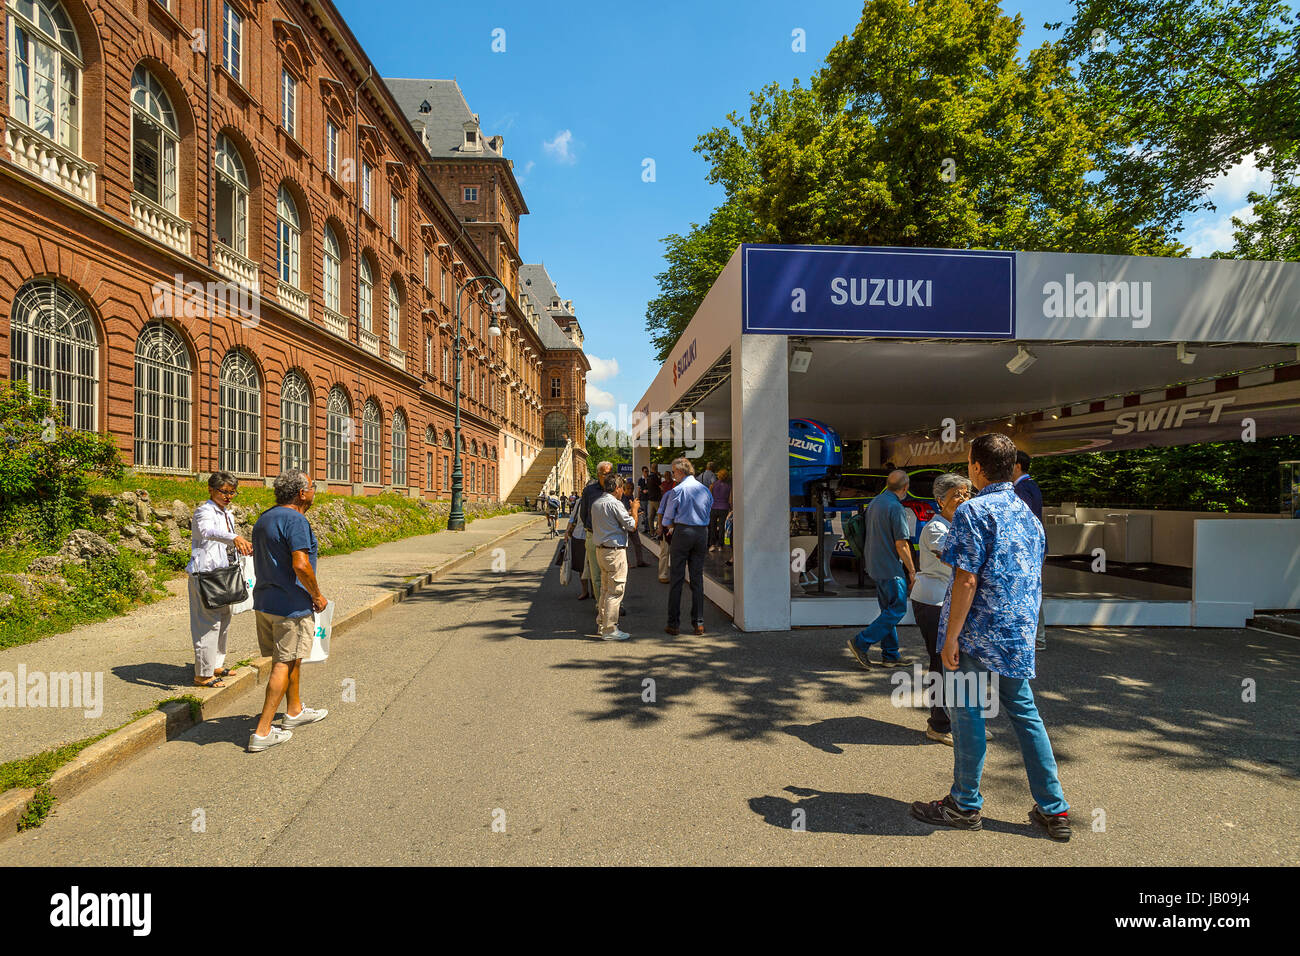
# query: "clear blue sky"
583, 96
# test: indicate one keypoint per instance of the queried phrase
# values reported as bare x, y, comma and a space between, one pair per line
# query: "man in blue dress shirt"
996, 548
686, 527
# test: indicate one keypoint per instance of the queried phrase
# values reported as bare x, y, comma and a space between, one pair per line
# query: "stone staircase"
538, 474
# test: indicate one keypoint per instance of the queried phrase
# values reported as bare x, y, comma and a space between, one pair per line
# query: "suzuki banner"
846, 290
1244, 414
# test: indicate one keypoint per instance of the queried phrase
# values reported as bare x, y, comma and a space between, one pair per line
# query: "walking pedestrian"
932, 580
686, 524
284, 599
576, 536
889, 564
721, 491
996, 549
610, 524
1028, 491
213, 544
709, 477
633, 507
654, 493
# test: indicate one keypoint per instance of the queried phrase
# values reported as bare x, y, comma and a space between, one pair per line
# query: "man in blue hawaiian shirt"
996, 549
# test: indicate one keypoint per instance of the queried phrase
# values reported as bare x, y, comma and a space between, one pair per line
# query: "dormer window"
425, 107
473, 143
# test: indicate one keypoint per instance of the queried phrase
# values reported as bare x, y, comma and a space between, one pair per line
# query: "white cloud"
600, 401
561, 147
1213, 232
1239, 180
601, 368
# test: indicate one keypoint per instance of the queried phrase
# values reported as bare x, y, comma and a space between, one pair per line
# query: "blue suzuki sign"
886, 291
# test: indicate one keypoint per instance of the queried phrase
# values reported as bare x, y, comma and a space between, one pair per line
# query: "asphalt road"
489, 728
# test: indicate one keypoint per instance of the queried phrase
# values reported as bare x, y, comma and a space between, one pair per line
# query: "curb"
173, 719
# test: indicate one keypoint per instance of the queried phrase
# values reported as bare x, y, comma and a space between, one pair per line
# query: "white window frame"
366, 297
331, 148
230, 169
332, 270
366, 172
240, 431
471, 194
395, 217
295, 423
59, 39
54, 348
232, 41
338, 436
164, 401
288, 239
288, 102
394, 316
399, 449
152, 114
372, 443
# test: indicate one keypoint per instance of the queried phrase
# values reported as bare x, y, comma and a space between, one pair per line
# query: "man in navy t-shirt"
285, 598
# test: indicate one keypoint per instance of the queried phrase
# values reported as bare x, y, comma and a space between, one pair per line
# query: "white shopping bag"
566, 566
250, 578
323, 625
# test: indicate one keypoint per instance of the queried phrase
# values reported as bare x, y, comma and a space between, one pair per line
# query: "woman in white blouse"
931, 587
212, 538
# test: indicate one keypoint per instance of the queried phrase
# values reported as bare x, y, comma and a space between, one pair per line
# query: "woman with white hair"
931, 588
213, 541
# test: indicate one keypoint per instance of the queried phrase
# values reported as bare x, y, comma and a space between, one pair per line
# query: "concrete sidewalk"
147, 655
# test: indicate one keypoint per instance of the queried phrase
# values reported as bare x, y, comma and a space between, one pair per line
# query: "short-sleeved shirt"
886, 523
277, 535
933, 577
996, 537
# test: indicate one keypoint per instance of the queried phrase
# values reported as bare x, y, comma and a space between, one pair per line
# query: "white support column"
760, 434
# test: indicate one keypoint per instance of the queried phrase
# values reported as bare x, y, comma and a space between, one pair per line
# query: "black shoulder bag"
223, 586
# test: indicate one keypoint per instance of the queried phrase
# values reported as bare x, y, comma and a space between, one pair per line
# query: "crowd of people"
686, 514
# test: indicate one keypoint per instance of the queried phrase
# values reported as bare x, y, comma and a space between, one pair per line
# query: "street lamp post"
456, 520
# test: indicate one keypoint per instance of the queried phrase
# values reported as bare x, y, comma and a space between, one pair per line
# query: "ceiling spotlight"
1023, 359
1184, 356
800, 359
1055, 416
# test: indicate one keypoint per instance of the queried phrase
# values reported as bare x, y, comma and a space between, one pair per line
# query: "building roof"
437, 109
539, 288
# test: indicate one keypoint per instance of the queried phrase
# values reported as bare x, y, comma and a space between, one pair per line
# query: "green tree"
44, 466
1192, 87
1274, 233
618, 450
923, 128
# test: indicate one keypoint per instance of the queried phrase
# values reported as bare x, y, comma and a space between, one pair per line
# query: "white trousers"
209, 630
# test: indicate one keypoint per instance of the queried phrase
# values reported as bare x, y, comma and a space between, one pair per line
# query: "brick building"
224, 244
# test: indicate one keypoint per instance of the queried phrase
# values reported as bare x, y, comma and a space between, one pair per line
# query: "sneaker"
699, 630
946, 813
257, 744
1057, 825
895, 662
615, 635
1040, 645
943, 738
305, 716
859, 655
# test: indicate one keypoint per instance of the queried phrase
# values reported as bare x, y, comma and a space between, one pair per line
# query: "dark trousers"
689, 546
634, 543
927, 619
717, 526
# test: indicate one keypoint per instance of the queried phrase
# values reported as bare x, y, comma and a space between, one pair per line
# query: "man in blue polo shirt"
888, 558
987, 625
686, 527
285, 599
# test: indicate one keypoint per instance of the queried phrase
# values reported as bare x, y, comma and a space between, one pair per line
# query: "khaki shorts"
285, 639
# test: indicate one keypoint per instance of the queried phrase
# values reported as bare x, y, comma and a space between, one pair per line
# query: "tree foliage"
1193, 87
44, 467
923, 128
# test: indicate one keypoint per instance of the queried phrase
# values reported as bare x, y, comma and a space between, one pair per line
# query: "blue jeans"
1017, 701
891, 595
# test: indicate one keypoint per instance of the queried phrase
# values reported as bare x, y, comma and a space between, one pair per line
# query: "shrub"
45, 466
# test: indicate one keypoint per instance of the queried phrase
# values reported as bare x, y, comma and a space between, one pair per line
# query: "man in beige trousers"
610, 524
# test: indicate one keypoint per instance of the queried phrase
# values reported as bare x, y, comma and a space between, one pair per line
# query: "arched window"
372, 427
333, 271
394, 316
446, 439
232, 197
45, 71
155, 140
366, 296
399, 448
288, 236
338, 436
295, 423
556, 430
54, 349
162, 400
241, 416
474, 447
